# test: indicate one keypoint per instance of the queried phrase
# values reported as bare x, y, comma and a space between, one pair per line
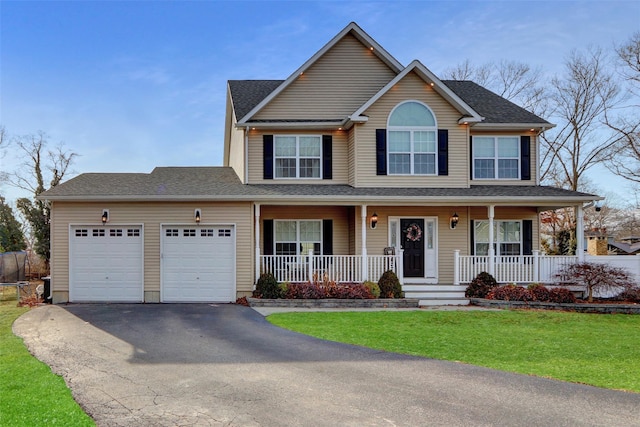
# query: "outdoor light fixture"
374, 220
453, 221
198, 216
105, 216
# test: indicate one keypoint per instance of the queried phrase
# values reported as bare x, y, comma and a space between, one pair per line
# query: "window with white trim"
507, 237
297, 156
412, 140
496, 157
298, 237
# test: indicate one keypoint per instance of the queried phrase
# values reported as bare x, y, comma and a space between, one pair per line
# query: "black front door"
413, 245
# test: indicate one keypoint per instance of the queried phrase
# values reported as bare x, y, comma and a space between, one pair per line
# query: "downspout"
246, 155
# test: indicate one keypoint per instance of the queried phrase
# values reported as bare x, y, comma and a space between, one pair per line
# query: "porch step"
430, 295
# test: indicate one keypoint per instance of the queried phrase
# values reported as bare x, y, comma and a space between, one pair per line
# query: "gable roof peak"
352, 29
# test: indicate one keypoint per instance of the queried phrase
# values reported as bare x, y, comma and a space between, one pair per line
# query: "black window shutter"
472, 239
327, 142
327, 237
267, 141
527, 236
443, 152
525, 158
267, 236
471, 158
381, 151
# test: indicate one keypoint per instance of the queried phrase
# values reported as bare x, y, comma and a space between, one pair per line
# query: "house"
353, 165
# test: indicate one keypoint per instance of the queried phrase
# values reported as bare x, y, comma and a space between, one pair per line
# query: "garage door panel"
198, 264
106, 264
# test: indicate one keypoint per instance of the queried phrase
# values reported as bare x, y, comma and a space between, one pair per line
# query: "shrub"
538, 292
480, 286
510, 293
373, 288
561, 296
349, 291
267, 287
389, 285
631, 295
307, 290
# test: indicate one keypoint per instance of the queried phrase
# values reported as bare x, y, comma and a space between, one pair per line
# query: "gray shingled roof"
246, 94
221, 183
493, 107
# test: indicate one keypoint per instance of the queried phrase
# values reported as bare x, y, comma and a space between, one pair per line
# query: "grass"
30, 394
600, 350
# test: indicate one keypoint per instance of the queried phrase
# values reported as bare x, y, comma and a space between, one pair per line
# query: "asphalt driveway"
210, 365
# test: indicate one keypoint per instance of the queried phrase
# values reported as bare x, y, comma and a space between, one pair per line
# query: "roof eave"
513, 126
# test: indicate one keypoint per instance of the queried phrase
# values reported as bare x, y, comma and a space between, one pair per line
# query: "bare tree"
515, 81
581, 98
625, 122
41, 165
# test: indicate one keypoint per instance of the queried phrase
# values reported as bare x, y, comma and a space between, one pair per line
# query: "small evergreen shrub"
267, 287
389, 285
480, 286
373, 288
561, 296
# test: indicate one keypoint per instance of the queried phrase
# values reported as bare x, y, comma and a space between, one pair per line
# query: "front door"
412, 241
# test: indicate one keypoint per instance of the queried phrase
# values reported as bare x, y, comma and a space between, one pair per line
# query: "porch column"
456, 267
491, 253
365, 267
256, 229
580, 232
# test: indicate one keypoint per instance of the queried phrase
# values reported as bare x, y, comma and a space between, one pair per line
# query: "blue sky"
130, 85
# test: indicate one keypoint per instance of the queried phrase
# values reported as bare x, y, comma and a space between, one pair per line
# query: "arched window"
412, 140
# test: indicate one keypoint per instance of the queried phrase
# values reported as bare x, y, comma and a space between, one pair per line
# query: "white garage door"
105, 264
198, 263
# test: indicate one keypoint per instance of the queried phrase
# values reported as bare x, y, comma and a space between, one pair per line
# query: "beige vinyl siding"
339, 215
532, 153
340, 165
152, 215
339, 82
412, 87
236, 152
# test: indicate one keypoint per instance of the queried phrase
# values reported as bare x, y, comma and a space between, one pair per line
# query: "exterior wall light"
374, 221
105, 216
453, 221
198, 216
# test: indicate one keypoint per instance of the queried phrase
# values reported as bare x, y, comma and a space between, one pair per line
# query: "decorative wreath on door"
414, 233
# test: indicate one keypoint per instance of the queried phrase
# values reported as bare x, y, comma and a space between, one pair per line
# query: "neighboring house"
352, 165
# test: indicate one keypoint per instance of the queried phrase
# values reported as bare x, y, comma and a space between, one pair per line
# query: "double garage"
107, 263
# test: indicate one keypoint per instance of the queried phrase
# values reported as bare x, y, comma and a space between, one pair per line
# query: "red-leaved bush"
319, 290
532, 293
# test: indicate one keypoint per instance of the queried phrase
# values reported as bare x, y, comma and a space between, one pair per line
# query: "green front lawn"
601, 350
30, 394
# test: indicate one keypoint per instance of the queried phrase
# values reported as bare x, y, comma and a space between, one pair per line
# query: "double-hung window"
298, 156
298, 237
412, 140
507, 237
496, 157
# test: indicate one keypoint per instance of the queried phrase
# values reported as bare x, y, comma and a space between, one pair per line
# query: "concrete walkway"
215, 365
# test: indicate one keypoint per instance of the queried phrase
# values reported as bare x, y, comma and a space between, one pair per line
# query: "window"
496, 157
298, 237
507, 237
298, 156
412, 140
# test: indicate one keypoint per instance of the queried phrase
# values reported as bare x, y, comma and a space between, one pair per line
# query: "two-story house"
353, 165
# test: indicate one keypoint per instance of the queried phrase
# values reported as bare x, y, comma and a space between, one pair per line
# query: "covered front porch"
434, 250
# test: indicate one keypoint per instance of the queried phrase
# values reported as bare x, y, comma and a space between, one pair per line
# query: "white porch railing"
339, 268
534, 268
